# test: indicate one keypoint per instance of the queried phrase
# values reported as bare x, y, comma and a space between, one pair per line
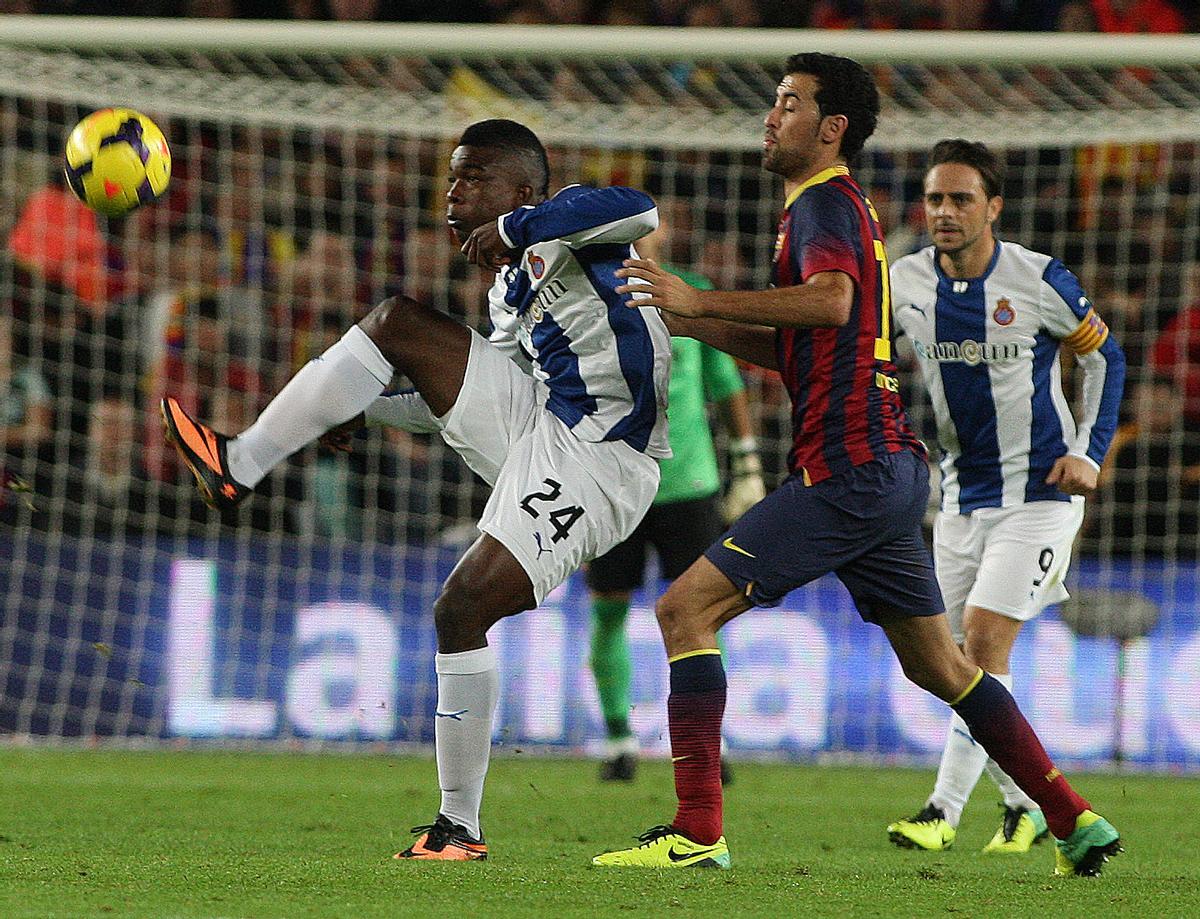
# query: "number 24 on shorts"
561, 518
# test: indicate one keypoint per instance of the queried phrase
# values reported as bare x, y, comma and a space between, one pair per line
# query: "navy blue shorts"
864, 525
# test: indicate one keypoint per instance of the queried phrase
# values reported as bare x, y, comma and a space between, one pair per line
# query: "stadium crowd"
271, 241
1120, 16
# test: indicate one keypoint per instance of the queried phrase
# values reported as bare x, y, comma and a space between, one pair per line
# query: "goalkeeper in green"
688, 512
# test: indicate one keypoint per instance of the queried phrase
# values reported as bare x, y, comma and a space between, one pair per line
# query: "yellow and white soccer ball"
117, 159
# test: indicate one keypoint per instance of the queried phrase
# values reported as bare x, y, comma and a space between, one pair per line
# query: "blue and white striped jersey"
989, 354
555, 311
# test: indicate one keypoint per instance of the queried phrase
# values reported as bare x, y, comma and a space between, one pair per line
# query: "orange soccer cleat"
203, 450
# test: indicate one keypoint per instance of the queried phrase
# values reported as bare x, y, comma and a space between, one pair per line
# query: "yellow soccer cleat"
1019, 832
927, 830
664, 847
1086, 850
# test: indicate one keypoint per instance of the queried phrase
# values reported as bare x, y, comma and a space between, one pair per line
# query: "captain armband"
1089, 335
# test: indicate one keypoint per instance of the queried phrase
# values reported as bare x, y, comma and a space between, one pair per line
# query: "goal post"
309, 174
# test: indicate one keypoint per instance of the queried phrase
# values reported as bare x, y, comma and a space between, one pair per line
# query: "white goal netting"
310, 163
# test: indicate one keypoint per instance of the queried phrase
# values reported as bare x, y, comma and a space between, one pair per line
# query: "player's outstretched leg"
399, 334
933, 661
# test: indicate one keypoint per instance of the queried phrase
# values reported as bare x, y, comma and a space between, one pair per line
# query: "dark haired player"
562, 411
854, 501
986, 319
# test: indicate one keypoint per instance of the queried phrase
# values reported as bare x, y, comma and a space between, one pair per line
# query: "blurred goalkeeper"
562, 410
987, 318
688, 513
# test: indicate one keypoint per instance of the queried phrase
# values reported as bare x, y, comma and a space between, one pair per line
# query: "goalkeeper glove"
746, 487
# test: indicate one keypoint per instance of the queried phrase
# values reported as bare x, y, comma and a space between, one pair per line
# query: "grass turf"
158, 834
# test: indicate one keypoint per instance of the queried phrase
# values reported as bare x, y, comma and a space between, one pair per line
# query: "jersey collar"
823, 176
937, 264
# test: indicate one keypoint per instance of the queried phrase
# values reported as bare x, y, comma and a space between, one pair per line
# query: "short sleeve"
826, 233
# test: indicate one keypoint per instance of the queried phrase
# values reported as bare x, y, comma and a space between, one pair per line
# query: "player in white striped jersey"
987, 319
562, 411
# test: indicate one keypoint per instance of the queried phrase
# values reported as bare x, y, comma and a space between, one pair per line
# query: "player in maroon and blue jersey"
854, 502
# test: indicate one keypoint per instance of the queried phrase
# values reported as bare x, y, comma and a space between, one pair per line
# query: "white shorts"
1010, 560
556, 501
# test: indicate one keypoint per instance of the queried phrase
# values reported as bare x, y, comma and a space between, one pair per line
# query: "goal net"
309, 172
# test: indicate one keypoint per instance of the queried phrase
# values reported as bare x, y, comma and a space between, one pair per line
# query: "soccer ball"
117, 159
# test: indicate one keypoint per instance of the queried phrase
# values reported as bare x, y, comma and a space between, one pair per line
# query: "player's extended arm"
754, 344
825, 300
582, 216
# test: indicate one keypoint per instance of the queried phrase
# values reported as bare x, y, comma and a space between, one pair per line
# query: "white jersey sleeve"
1069, 316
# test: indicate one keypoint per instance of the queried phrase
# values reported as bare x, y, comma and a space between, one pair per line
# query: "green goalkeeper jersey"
699, 374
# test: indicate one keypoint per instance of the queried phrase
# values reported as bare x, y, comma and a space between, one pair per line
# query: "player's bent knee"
677, 618
390, 324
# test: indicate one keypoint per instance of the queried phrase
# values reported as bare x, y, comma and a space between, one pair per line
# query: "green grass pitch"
160, 834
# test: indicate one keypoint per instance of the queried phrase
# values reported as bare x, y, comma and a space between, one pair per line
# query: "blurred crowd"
270, 242
1016, 15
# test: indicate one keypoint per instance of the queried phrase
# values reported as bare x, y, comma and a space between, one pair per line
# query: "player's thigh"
680, 531
559, 502
794, 535
1026, 554
957, 552
427, 346
894, 579
496, 407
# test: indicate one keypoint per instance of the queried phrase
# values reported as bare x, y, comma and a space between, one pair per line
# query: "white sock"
468, 689
1013, 796
959, 771
615, 748
325, 392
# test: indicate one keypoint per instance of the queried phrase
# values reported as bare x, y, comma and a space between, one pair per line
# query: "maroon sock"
695, 708
995, 721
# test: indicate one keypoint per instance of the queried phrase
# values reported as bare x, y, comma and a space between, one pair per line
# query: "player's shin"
1014, 797
325, 392
997, 723
611, 664
468, 689
961, 766
695, 708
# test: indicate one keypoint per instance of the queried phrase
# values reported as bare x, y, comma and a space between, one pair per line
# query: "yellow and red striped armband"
1089, 335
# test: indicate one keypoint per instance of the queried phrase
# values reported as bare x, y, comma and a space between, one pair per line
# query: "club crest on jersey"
537, 266
1004, 314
